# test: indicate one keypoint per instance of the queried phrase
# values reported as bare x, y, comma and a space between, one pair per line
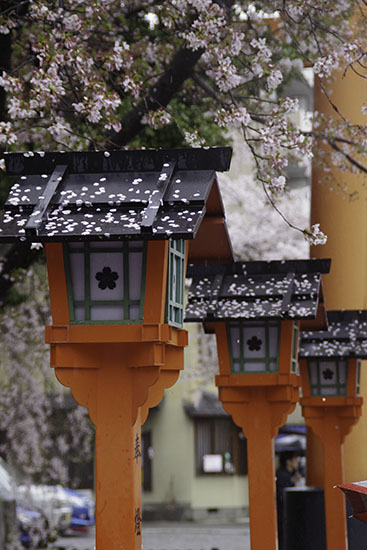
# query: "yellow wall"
220, 492
345, 223
174, 477
173, 445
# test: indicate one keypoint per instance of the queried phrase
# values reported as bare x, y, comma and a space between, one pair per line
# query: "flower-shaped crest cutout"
328, 374
254, 343
107, 278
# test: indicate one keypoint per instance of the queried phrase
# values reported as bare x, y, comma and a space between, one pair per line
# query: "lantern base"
260, 411
118, 383
331, 420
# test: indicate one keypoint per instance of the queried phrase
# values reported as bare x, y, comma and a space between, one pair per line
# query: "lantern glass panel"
79, 312
77, 275
254, 346
328, 377
134, 312
273, 366
112, 313
105, 281
135, 273
235, 342
273, 340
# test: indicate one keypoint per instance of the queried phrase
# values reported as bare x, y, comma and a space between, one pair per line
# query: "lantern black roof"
345, 337
255, 290
149, 194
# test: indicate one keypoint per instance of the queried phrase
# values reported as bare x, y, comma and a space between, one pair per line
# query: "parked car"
51, 500
33, 527
68, 510
83, 511
34, 530
64, 509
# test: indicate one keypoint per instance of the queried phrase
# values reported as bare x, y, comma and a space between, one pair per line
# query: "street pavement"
175, 536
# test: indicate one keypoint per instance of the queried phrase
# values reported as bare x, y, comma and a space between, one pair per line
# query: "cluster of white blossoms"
27, 383
324, 66
193, 139
314, 235
156, 119
235, 117
7, 136
277, 185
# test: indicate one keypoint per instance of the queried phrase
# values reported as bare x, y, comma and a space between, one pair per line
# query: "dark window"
220, 447
146, 461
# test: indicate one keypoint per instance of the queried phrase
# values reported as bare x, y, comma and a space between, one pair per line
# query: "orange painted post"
118, 444
260, 410
331, 425
331, 418
261, 481
114, 383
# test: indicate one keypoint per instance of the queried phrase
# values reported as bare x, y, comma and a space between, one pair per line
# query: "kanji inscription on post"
138, 520
137, 449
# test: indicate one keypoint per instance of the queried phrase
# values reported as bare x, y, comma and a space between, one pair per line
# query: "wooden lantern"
254, 309
115, 226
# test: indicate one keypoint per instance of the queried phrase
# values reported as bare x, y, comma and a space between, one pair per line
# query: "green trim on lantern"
322, 387
125, 249
175, 304
358, 380
239, 363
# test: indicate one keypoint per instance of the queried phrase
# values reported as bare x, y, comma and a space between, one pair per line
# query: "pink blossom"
193, 139
314, 235
274, 79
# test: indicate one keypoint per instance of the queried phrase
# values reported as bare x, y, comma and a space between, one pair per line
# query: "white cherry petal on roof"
261, 290
131, 179
345, 337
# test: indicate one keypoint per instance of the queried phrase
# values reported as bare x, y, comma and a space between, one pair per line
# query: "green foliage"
188, 113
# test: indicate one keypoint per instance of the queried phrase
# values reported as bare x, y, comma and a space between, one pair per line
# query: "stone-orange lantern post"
254, 308
115, 226
331, 404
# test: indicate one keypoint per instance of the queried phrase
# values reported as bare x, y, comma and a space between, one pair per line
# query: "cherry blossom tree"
30, 393
118, 73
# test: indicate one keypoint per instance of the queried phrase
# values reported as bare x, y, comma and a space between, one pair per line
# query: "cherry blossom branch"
179, 70
353, 161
